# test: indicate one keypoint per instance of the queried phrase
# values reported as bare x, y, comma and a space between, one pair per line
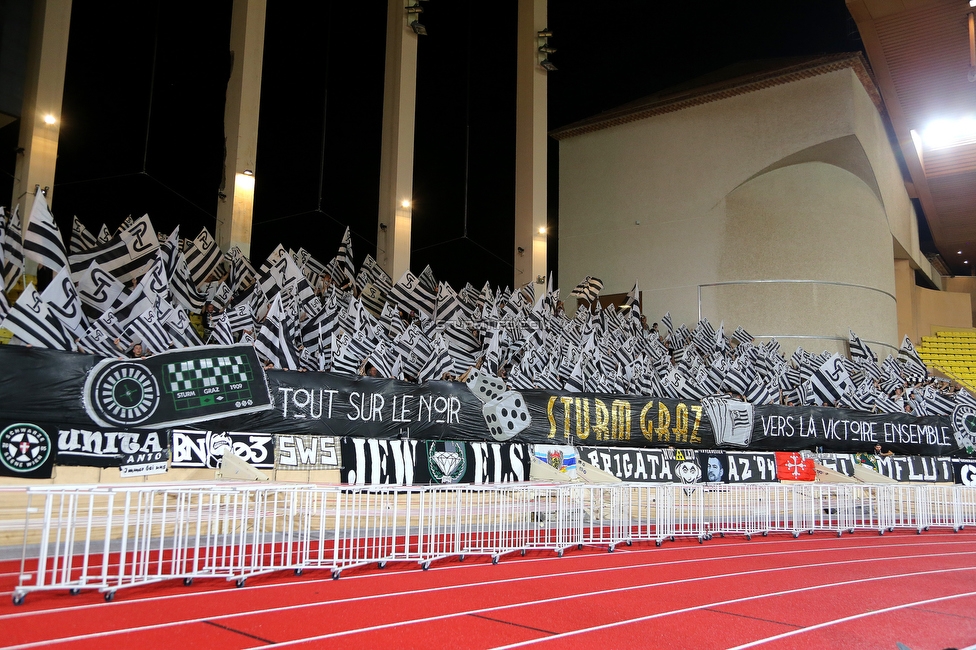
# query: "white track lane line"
270, 610
279, 585
847, 619
686, 610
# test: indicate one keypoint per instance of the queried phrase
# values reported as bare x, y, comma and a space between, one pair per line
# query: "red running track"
857, 591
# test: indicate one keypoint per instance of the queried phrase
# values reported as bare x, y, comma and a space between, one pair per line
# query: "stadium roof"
920, 51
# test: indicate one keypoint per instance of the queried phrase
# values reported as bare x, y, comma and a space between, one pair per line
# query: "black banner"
206, 448
916, 468
94, 448
645, 465
421, 462
27, 449
840, 463
787, 428
178, 387
964, 471
37, 382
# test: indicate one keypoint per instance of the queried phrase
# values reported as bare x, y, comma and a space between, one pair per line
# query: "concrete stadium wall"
793, 182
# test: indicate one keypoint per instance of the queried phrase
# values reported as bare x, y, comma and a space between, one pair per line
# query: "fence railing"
109, 538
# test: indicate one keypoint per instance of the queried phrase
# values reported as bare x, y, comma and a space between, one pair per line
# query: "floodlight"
548, 65
418, 28
545, 49
943, 133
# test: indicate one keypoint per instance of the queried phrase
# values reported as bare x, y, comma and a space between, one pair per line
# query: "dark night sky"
142, 121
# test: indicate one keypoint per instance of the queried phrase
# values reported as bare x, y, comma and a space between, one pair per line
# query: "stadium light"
248, 172
405, 203
418, 28
944, 133
542, 230
548, 65
49, 119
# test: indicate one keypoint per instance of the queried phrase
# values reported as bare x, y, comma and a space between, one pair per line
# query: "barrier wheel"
765, 533
299, 571
611, 548
840, 533
672, 538
851, 531
494, 559
657, 542
187, 582
701, 540
240, 582
74, 592
336, 574
559, 553
460, 558
881, 532
926, 529
722, 535
918, 531
523, 552
795, 534
425, 565
810, 532
579, 547
109, 596
382, 564
19, 599
955, 529
630, 542
748, 537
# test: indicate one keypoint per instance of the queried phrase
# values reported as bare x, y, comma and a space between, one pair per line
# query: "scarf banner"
27, 449
306, 452
424, 462
195, 385
94, 448
206, 448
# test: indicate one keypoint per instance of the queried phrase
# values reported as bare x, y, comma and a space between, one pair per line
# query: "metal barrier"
113, 537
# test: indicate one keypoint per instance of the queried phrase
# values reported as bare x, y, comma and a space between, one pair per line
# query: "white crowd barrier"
113, 537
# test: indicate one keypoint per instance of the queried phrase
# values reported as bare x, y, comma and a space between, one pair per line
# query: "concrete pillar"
530, 145
241, 124
40, 119
396, 158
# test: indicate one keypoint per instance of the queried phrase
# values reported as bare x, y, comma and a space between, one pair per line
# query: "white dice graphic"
484, 386
506, 415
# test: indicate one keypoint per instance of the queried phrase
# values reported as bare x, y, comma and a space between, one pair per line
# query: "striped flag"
272, 342
81, 238
240, 317
182, 288
344, 260
43, 242
147, 329
409, 295
180, 330
104, 235
741, 336
13, 249
96, 341
589, 289
633, 297
667, 323
63, 303
203, 257
859, 350
221, 332
169, 252
4, 305
126, 256
908, 356
830, 381
30, 321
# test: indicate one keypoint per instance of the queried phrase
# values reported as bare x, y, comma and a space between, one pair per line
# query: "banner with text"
423, 462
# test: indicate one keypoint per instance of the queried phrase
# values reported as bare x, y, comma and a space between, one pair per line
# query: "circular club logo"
24, 447
964, 425
123, 393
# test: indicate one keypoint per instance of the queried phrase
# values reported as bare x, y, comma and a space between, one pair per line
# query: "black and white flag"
81, 238
589, 289
13, 249
344, 260
859, 350
409, 295
830, 381
30, 321
43, 242
127, 256
148, 330
63, 303
203, 257
98, 289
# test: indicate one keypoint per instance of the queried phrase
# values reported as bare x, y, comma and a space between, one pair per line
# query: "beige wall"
962, 284
922, 312
793, 182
